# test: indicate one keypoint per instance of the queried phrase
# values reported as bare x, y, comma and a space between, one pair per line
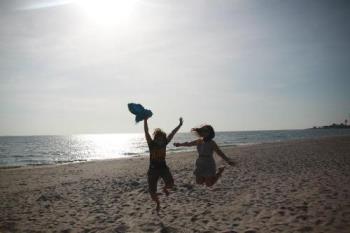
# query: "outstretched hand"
176, 144
231, 162
181, 121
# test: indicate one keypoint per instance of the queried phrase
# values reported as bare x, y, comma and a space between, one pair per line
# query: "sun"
107, 12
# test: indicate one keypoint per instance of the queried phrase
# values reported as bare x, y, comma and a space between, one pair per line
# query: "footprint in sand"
66, 231
346, 214
131, 213
318, 222
205, 221
302, 217
121, 228
167, 230
194, 218
306, 229
250, 231
281, 213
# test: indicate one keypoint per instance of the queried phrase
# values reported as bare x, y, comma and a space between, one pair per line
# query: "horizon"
179, 132
71, 67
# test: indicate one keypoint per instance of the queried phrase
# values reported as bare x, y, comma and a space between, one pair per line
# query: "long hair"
205, 128
159, 134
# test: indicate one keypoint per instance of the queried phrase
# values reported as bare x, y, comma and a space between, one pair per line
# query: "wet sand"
296, 186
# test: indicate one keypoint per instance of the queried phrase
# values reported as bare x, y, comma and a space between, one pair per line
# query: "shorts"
153, 177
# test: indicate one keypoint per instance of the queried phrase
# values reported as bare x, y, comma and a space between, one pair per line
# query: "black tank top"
157, 163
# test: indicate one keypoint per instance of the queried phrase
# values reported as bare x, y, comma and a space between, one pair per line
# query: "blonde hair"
159, 133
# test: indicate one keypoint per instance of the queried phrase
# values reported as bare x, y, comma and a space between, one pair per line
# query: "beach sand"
296, 186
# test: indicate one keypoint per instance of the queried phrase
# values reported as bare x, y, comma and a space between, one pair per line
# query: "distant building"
334, 126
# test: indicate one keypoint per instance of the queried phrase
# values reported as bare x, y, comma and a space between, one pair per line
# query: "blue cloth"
140, 112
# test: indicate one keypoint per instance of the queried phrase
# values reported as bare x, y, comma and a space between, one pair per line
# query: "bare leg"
212, 180
155, 198
200, 180
166, 187
168, 180
165, 190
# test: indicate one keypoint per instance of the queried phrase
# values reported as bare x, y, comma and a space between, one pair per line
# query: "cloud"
232, 63
35, 5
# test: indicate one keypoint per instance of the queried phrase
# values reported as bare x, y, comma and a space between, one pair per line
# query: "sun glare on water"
107, 12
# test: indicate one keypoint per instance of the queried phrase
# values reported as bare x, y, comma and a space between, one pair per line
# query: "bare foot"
166, 191
221, 170
158, 208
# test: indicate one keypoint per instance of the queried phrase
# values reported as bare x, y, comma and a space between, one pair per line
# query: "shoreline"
294, 186
169, 152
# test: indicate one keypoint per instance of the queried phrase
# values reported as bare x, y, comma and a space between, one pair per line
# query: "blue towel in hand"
140, 112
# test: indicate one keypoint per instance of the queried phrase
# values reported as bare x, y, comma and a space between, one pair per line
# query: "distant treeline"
333, 126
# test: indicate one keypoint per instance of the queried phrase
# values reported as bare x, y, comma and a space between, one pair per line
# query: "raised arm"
145, 126
222, 154
193, 143
171, 135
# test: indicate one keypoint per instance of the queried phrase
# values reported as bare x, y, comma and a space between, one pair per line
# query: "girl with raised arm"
157, 166
205, 170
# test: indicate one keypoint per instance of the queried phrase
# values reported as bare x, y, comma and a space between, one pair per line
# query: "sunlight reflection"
104, 146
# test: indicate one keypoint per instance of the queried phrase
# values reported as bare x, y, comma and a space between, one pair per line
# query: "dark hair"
208, 128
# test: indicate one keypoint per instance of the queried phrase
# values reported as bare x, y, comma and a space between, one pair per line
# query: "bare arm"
145, 126
193, 143
222, 154
172, 134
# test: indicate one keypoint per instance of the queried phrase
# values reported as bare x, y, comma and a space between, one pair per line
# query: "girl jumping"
157, 166
205, 170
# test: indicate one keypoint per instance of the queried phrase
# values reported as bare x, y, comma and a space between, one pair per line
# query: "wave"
48, 150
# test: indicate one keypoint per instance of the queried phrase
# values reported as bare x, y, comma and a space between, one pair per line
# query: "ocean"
45, 150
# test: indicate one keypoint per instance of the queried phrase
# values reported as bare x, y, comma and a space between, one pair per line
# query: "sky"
71, 67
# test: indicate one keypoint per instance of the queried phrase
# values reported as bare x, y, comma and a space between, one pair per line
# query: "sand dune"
297, 186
